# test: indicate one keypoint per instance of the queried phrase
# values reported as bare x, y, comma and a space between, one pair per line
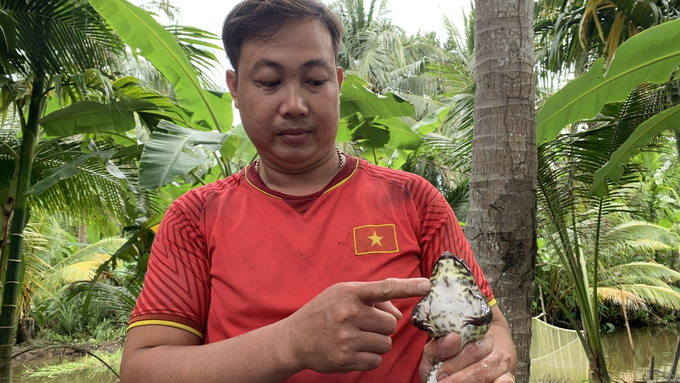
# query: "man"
299, 267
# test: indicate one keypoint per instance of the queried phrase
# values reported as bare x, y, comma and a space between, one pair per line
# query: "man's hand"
347, 327
491, 359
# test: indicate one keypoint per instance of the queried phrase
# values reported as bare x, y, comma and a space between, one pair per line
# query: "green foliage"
93, 365
666, 120
93, 117
144, 35
650, 56
71, 38
355, 97
169, 155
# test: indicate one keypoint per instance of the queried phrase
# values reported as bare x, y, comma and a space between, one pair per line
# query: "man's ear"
232, 84
340, 77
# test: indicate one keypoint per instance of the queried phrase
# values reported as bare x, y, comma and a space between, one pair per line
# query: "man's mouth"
294, 135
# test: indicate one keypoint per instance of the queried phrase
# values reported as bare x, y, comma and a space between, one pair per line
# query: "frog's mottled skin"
455, 304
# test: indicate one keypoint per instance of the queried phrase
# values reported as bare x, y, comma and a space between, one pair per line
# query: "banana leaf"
651, 56
238, 146
431, 122
93, 117
613, 169
355, 97
166, 156
143, 34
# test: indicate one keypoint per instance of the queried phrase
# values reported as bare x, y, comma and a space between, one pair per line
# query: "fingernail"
425, 286
442, 377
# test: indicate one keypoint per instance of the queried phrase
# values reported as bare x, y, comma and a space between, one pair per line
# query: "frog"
454, 304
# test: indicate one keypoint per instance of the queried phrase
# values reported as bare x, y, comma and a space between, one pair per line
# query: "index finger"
393, 288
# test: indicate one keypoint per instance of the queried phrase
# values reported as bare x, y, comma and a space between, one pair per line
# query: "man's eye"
269, 84
317, 82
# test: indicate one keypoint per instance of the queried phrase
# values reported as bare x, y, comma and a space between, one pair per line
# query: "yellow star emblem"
375, 239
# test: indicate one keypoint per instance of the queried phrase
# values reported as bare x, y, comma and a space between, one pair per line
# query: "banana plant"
649, 57
209, 110
57, 80
71, 39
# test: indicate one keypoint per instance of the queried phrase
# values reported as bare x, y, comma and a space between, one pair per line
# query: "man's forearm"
257, 356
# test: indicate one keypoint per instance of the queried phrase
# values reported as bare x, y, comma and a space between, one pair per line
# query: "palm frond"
647, 246
647, 270
618, 297
661, 296
80, 271
72, 37
97, 252
195, 43
644, 232
423, 105
120, 299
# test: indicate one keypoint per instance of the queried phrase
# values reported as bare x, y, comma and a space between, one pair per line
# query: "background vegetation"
96, 102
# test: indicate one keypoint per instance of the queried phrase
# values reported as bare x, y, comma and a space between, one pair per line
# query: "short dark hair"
263, 18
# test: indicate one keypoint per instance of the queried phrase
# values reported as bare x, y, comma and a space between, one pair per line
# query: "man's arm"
345, 328
167, 354
490, 359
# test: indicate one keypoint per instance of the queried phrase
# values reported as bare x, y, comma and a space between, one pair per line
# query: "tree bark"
501, 224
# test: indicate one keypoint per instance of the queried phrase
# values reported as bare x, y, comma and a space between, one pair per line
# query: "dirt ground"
35, 351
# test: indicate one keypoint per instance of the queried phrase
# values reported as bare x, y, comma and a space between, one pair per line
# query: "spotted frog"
455, 304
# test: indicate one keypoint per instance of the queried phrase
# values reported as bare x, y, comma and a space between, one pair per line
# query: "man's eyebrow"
266, 63
317, 63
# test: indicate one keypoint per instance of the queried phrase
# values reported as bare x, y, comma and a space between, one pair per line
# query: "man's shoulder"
218, 188
394, 176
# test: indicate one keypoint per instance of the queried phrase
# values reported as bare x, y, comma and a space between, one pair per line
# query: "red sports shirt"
234, 256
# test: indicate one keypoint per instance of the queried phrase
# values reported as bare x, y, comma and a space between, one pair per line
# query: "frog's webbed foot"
481, 320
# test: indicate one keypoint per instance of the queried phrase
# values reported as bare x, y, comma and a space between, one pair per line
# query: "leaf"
650, 270
355, 97
370, 134
431, 122
57, 174
8, 37
93, 117
164, 157
344, 132
650, 56
238, 146
401, 135
144, 35
114, 170
661, 296
81, 271
613, 169
54, 175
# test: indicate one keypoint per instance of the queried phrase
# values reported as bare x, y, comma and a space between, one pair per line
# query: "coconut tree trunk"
501, 220
12, 284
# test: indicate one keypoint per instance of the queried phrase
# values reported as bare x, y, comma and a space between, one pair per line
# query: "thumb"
393, 288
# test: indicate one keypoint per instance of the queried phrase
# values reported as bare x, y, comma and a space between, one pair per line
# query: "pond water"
622, 363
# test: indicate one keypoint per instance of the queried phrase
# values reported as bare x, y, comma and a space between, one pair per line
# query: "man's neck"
306, 182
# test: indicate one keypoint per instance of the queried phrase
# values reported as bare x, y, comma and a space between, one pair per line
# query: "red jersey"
234, 256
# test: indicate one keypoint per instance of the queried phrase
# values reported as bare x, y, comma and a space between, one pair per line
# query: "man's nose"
294, 102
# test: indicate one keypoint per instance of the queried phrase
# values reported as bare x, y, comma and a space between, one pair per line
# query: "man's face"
287, 93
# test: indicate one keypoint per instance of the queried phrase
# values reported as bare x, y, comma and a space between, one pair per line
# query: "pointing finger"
392, 288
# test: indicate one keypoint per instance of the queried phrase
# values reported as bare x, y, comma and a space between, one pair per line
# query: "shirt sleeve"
176, 288
440, 231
